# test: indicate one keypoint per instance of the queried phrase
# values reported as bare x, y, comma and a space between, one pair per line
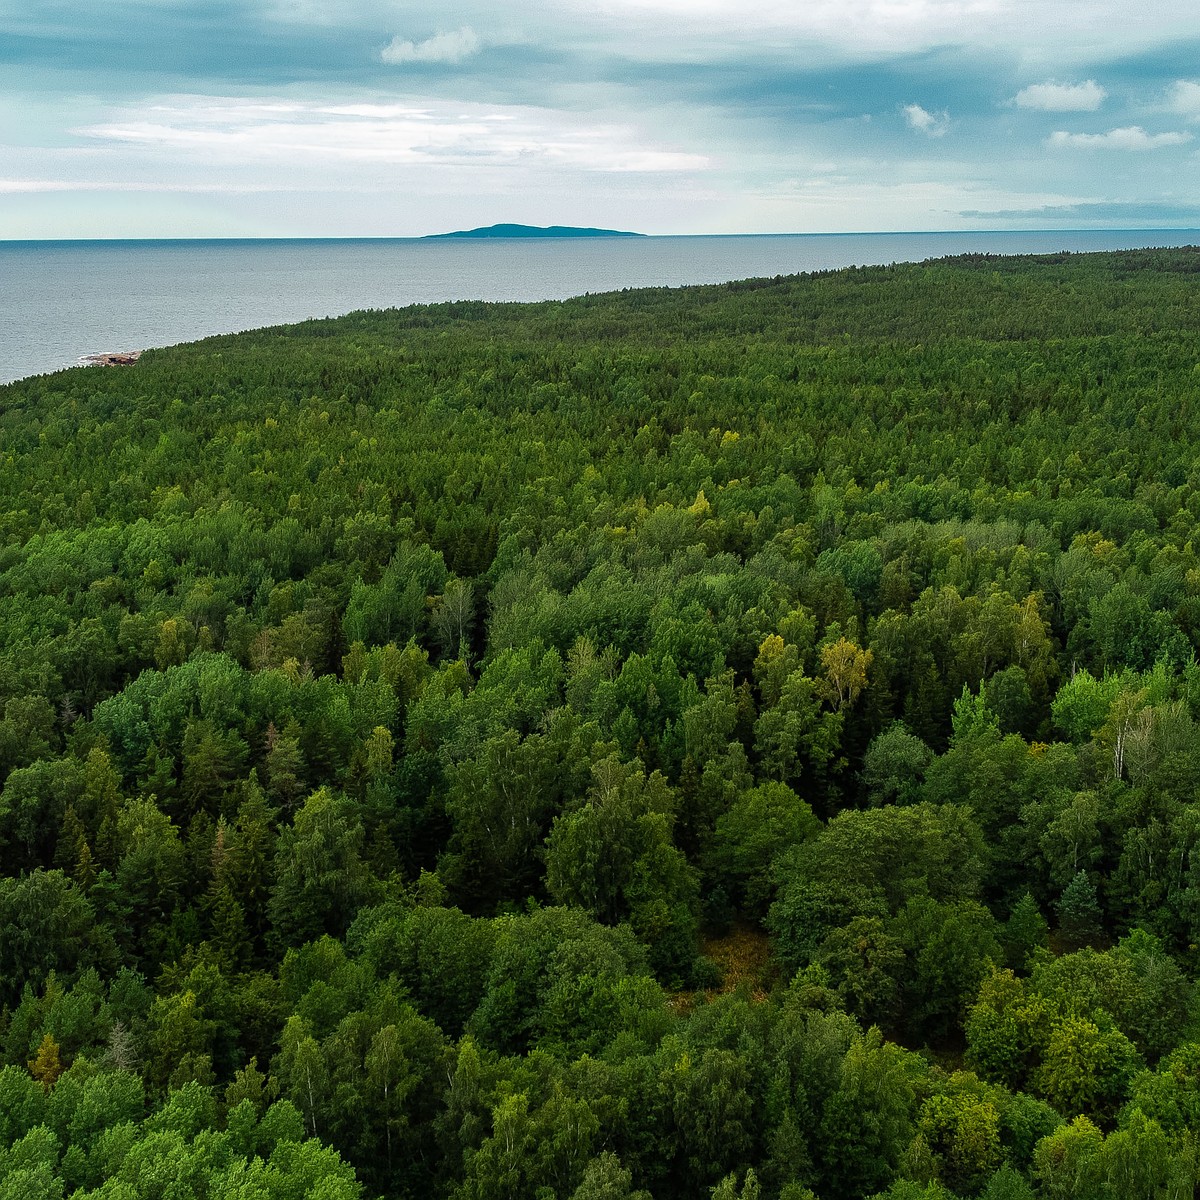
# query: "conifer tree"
1079, 912
45, 1066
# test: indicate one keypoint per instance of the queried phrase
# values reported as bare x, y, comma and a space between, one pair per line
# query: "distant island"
534, 231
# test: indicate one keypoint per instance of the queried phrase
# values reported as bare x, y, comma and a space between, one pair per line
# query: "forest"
734, 741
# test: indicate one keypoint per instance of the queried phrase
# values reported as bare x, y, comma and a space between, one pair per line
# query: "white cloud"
1051, 36
232, 132
1129, 137
16, 187
441, 48
930, 124
1046, 37
1062, 97
1184, 99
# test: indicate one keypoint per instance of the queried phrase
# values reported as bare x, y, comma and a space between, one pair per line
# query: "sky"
336, 118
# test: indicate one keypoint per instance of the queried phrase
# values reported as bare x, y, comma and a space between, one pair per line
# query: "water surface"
61, 300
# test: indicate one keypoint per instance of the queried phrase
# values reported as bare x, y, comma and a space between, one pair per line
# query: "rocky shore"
118, 359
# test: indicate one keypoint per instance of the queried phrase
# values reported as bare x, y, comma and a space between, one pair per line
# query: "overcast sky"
182, 118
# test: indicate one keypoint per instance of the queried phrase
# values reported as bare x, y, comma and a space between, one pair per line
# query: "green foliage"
613, 858
872, 863
320, 876
401, 716
762, 826
1079, 912
1025, 932
894, 766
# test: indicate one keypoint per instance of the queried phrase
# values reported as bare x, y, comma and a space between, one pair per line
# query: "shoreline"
119, 358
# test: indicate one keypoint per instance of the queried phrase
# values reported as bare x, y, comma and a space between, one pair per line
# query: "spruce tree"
1079, 912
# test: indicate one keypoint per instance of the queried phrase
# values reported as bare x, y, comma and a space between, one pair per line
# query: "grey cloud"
1100, 211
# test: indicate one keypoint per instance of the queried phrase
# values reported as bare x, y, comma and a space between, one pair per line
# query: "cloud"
235, 131
930, 124
1183, 99
651, 93
17, 187
1126, 212
1129, 137
839, 203
30, 186
1062, 97
879, 30
441, 48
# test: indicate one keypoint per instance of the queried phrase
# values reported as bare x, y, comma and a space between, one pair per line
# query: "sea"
63, 300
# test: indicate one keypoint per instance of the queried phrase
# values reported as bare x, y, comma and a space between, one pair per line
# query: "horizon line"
1173, 229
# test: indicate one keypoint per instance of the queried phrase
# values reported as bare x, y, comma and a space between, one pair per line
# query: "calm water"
60, 300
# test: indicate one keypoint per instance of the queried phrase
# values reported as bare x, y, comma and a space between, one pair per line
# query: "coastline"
61, 296
119, 358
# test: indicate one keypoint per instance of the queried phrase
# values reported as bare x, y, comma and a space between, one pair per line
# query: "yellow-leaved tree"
845, 665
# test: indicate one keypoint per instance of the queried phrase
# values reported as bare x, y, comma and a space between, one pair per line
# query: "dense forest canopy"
734, 741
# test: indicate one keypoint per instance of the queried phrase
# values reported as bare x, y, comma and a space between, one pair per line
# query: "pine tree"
46, 1066
229, 928
72, 838
1024, 931
120, 1054
1079, 912
247, 866
284, 764
156, 775
85, 868
250, 1084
